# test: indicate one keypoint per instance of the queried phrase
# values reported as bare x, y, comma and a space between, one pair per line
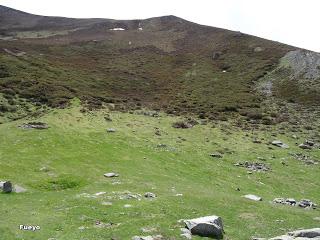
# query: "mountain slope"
163, 63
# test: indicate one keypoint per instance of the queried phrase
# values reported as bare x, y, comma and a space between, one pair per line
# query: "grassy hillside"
62, 169
162, 63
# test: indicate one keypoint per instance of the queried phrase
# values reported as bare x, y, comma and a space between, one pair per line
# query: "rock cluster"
308, 144
305, 159
253, 166
304, 203
34, 125
305, 234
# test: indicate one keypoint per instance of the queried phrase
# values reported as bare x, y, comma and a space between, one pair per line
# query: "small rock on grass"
216, 155
253, 197
111, 174
6, 186
150, 195
156, 237
278, 143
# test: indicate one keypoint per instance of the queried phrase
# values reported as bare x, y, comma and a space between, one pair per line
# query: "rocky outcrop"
210, 226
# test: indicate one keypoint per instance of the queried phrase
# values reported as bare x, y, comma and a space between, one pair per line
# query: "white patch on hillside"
117, 29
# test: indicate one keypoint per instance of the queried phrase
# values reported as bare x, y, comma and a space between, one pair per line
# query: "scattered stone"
185, 233
111, 130
44, 169
308, 144
157, 132
253, 166
161, 145
34, 125
256, 141
148, 113
305, 146
100, 224
111, 174
278, 143
216, 155
128, 195
150, 195
6, 186
216, 55
15, 53
253, 197
156, 237
182, 124
210, 226
305, 158
108, 118
305, 234
304, 203
127, 206
288, 201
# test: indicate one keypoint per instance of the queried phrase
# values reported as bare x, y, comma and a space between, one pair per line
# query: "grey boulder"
278, 143
6, 186
306, 233
209, 226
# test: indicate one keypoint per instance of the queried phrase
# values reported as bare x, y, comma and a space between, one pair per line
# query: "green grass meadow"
62, 169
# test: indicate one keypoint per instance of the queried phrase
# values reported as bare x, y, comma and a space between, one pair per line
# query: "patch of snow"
117, 29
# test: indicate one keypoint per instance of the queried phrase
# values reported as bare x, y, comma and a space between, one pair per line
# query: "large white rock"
253, 197
209, 226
